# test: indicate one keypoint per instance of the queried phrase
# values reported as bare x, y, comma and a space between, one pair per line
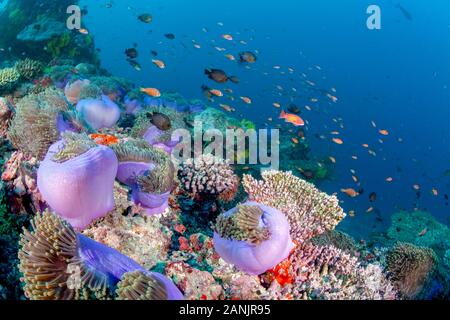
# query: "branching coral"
208, 175
309, 211
28, 69
329, 273
37, 122
410, 268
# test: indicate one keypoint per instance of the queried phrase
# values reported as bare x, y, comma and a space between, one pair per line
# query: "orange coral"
104, 139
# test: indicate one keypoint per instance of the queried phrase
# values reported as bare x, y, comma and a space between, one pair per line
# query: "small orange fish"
435, 192
276, 105
292, 118
228, 37
152, 92
384, 132
247, 100
338, 141
350, 192
83, 31
365, 145
230, 57
104, 139
227, 108
295, 140
370, 209
216, 92
159, 63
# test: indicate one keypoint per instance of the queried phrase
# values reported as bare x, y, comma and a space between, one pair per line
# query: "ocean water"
397, 76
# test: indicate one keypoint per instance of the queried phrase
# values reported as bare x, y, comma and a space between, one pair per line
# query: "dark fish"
217, 75
234, 79
301, 133
308, 174
154, 53
159, 120
170, 36
131, 53
373, 197
292, 108
134, 64
247, 56
207, 92
146, 18
405, 12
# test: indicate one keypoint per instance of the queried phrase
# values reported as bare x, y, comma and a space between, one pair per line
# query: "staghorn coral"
59, 264
28, 68
208, 175
309, 211
9, 78
410, 268
36, 123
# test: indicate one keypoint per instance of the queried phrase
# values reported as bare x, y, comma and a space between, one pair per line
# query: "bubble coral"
9, 77
309, 211
59, 264
76, 179
410, 268
37, 122
208, 175
28, 68
98, 113
253, 237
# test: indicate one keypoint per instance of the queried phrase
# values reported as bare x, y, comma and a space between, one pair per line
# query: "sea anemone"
97, 113
208, 175
253, 237
76, 179
152, 189
37, 122
309, 211
73, 90
59, 264
410, 268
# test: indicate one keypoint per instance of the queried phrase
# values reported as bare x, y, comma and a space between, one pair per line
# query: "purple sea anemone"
76, 179
132, 106
99, 114
253, 237
59, 264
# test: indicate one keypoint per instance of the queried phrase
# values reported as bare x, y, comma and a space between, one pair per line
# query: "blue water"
397, 77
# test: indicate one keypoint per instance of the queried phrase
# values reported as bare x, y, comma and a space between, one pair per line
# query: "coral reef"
28, 69
9, 78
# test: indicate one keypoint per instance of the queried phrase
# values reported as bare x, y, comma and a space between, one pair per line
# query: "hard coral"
28, 68
208, 175
9, 77
309, 211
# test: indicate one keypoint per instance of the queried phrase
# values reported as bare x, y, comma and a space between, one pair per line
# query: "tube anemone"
59, 264
253, 237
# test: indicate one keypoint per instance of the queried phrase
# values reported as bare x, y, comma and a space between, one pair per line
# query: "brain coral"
410, 268
309, 211
208, 175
